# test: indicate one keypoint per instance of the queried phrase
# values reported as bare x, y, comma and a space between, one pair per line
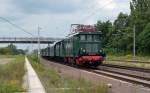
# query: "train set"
82, 47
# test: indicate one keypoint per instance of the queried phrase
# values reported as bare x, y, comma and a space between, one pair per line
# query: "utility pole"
134, 51
39, 48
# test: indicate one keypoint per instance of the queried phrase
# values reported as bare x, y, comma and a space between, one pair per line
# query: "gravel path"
118, 86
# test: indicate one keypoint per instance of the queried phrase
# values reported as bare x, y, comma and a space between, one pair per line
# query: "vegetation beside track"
118, 35
11, 75
11, 50
111, 60
56, 83
128, 57
7, 56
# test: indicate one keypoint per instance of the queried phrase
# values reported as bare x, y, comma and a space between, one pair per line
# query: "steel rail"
120, 76
128, 68
131, 61
126, 78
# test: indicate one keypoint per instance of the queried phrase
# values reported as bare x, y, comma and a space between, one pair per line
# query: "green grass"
128, 58
11, 76
130, 64
53, 81
7, 56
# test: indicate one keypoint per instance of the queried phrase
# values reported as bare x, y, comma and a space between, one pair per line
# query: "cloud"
49, 6
106, 5
56, 15
109, 10
5, 7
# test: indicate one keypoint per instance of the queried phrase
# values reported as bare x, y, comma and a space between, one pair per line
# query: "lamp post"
134, 51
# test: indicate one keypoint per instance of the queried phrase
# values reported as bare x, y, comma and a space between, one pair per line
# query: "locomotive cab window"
89, 37
82, 37
96, 37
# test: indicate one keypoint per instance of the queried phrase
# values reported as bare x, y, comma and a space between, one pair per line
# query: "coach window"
82, 37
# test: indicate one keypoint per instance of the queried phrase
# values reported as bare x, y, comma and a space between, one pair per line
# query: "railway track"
131, 61
134, 75
127, 67
126, 78
129, 74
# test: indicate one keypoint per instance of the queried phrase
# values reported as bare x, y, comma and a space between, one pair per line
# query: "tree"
140, 17
11, 50
121, 22
106, 29
119, 35
144, 39
5, 51
139, 14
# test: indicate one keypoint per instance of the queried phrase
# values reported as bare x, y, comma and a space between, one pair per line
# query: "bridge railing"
28, 39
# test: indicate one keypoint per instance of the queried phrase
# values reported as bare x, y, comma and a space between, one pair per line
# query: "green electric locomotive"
82, 47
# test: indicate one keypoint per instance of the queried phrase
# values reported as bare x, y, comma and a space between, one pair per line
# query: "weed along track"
56, 81
11, 75
131, 61
117, 85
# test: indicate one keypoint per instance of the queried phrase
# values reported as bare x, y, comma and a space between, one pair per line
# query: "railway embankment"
116, 85
56, 81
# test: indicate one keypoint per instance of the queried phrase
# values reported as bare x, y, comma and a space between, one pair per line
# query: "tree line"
11, 50
118, 35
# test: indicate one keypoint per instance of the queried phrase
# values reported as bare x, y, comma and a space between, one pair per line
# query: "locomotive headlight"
84, 50
100, 50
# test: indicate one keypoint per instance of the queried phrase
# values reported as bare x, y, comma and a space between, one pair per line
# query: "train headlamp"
100, 50
84, 50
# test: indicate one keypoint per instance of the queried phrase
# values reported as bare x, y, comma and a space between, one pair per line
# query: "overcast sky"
55, 16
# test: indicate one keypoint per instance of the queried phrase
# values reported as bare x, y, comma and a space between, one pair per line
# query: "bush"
144, 40
11, 76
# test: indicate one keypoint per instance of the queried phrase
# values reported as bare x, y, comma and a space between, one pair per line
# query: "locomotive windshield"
90, 37
90, 42
82, 37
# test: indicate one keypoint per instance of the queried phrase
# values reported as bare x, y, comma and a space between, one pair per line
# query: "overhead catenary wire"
15, 25
95, 11
18, 27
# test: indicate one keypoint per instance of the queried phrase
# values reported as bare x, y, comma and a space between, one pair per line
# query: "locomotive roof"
84, 32
81, 32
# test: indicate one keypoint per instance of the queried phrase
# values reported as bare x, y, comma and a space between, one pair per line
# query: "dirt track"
117, 85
